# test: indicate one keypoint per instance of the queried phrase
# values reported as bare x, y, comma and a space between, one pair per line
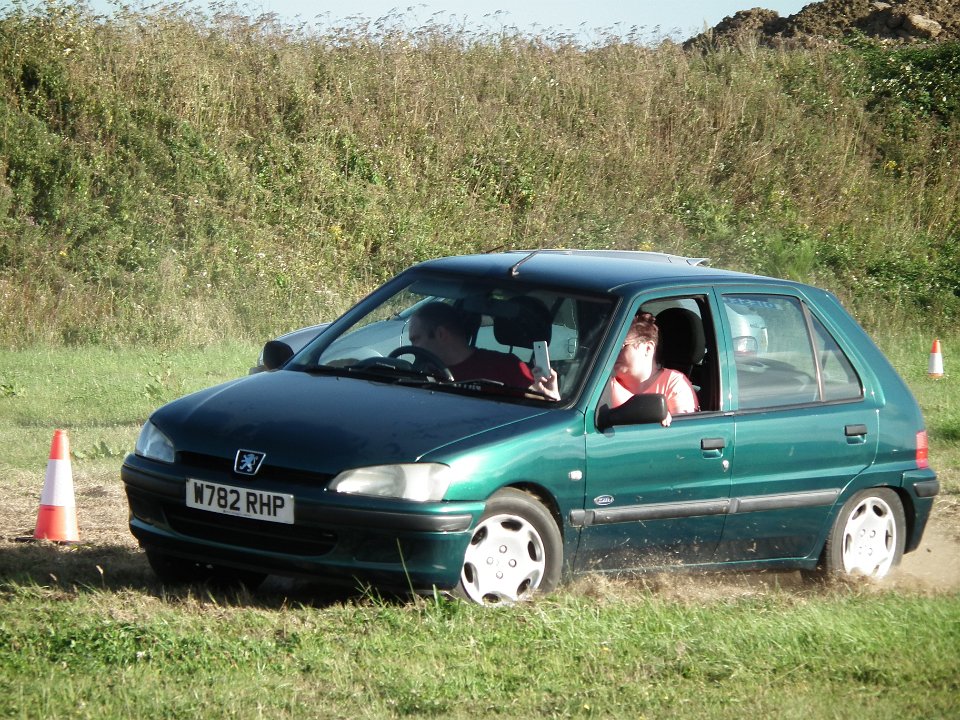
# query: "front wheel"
867, 537
515, 551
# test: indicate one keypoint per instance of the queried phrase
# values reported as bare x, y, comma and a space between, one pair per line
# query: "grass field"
174, 181
87, 631
608, 652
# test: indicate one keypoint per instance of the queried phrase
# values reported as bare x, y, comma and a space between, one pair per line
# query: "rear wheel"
515, 551
867, 537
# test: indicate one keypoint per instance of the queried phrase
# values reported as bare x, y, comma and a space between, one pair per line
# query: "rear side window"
840, 380
784, 355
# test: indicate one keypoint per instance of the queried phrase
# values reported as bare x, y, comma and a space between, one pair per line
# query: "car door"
804, 426
654, 495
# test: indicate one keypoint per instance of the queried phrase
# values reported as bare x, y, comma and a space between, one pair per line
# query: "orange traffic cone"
935, 366
57, 519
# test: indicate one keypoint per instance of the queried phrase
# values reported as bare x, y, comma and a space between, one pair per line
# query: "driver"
440, 329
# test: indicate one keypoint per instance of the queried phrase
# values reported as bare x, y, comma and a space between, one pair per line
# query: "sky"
586, 19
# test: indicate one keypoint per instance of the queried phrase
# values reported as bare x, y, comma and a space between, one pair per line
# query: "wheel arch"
545, 498
818, 571
906, 504
522, 520
878, 483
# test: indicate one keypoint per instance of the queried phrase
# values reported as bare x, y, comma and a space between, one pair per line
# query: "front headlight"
154, 444
423, 482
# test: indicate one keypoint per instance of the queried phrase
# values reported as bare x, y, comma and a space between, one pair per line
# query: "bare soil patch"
935, 565
108, 556
825, 22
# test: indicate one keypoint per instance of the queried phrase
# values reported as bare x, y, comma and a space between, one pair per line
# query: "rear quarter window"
840, 380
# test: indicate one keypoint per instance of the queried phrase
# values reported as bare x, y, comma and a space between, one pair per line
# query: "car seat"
520, 321
682, 344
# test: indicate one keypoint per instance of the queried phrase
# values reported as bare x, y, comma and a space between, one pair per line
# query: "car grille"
247, 533
199, 461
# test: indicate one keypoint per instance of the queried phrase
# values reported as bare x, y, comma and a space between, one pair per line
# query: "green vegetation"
100, 396
176, 188
88, 632
838, 654
169, 178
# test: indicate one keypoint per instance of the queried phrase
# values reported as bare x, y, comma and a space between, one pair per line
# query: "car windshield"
465, 335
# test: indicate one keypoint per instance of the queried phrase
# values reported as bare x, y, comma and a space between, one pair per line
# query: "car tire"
866, 539
515, 551
172, 570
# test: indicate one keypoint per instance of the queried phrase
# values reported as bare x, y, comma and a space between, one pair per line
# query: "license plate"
241, 502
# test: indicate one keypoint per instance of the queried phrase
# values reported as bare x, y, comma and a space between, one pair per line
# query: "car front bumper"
342, 539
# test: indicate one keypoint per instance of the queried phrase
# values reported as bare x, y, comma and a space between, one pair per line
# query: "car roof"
593, 270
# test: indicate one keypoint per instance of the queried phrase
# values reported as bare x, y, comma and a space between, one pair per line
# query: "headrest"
682, 342
520, 321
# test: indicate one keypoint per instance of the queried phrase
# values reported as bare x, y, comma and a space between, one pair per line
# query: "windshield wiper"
384, 370
323, 370
387, 368
375, 371
485, 386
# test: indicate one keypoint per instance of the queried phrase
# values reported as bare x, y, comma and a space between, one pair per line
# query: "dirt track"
936, 564
108, 555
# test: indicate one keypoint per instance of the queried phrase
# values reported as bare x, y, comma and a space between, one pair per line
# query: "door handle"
713, 443
855, 430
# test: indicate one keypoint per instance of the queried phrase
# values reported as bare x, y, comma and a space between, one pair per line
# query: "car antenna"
515, 270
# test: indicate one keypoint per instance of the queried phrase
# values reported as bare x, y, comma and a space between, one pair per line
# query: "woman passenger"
637, 371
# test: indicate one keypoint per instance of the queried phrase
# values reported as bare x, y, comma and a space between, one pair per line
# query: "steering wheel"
424, 361
804, 382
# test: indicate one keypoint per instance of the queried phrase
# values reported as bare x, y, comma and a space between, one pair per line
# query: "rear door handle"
856, 434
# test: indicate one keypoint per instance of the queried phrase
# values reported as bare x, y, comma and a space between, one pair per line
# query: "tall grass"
171, 177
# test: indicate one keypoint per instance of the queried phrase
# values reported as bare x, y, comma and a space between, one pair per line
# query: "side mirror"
276, 354
745, 345
638, 410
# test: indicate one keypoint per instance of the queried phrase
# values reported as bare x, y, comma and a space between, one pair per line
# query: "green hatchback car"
367, 457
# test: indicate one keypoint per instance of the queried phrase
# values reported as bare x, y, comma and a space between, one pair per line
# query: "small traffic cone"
935, 366
57, 519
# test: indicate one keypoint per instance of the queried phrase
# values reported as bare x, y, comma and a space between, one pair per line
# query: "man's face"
422, 337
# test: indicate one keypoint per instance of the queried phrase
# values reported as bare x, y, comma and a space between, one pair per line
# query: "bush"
169, 177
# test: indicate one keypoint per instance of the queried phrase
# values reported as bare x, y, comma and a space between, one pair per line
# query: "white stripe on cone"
58, 485
935, 366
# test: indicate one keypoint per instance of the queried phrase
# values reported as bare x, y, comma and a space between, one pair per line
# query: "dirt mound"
821, 23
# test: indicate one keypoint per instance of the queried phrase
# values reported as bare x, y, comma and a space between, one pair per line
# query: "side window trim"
821, 350
814, 355
822, 339
711, 382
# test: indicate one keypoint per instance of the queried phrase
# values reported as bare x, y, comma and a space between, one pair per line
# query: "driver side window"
687, 343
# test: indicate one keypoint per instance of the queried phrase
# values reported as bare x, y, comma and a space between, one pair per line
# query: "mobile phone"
541, 357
